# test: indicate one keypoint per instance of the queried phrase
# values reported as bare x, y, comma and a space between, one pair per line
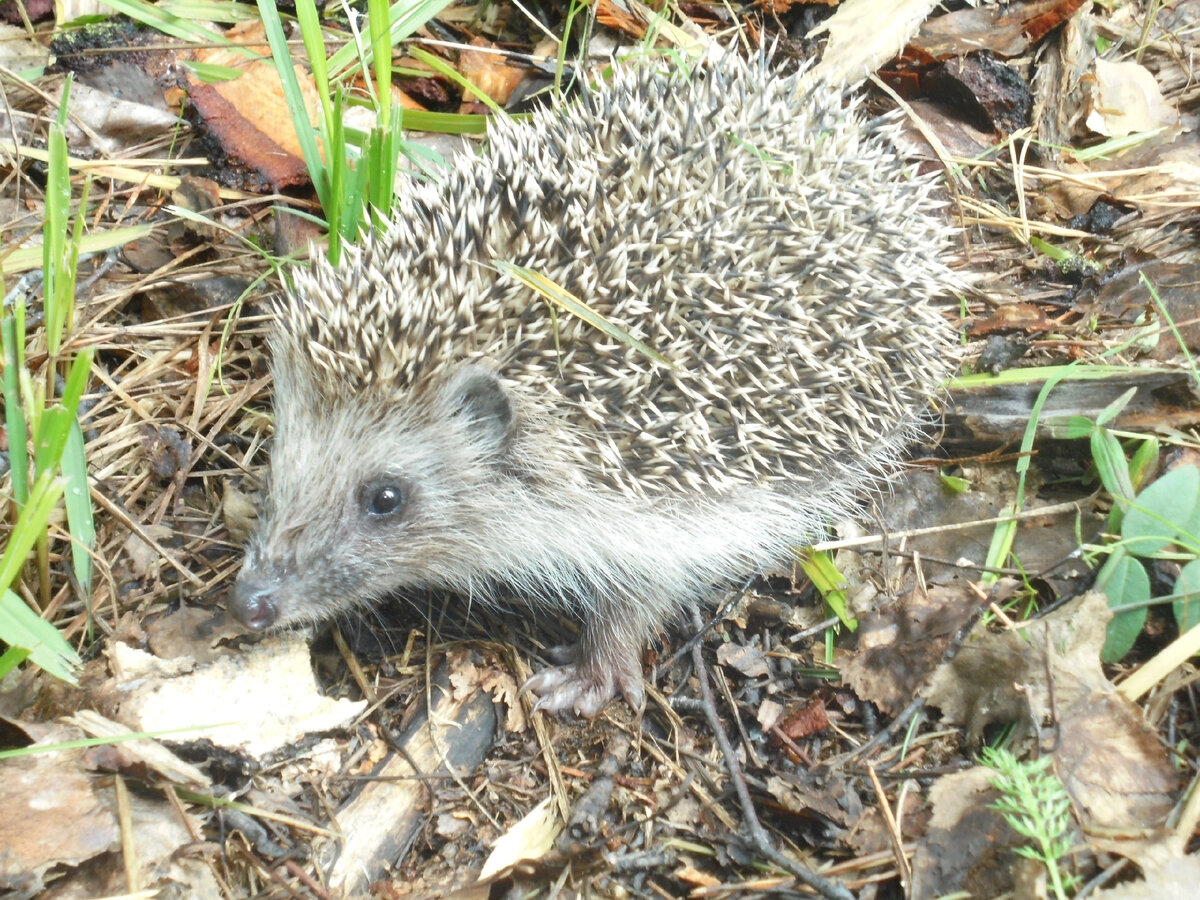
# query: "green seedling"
35, 407
1036, 806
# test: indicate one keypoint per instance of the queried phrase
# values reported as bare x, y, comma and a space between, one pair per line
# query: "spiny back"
767, 241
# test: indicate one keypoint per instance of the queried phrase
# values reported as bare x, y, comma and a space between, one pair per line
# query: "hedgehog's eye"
383, 499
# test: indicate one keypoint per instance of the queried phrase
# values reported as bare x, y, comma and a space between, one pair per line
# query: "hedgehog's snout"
254, 605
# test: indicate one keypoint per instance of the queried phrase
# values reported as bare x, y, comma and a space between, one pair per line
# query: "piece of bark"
995, 414
379, 822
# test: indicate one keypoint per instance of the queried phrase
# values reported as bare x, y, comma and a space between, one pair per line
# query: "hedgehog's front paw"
587, 686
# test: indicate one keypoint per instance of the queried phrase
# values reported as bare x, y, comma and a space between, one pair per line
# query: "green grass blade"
30, 525
829, 582
208, 11
14, 412
439, 65
213, 73
563, 298
295, 100
36, 638
158, 18
77, 379
53, 428
381, 50
448, 123
314, 46
12, 658
77, 498
54, 236
404, 20
27, 258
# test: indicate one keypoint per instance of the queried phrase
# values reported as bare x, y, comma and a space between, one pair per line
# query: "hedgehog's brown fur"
440, 425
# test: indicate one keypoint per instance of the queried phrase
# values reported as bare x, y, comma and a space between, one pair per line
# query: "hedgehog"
770, 271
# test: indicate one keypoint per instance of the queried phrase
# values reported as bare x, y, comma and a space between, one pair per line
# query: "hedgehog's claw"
586, 687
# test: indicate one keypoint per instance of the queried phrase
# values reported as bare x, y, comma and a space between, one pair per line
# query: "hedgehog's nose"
253, 605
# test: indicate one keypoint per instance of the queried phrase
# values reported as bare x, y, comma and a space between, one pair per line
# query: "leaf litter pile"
984, 688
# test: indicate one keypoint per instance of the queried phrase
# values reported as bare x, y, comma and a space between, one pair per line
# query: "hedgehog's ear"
475, 395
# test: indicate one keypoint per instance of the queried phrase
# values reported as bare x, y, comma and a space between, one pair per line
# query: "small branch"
758, 835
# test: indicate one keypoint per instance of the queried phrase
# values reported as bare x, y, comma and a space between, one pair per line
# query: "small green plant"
43, 402
830, 583
1161, 521
1036, 806
353, 172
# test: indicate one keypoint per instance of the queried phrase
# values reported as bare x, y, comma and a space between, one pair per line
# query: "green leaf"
54, 237
209, 10
1113, 469
22, 628
1169, 509
449, 123
159, 19
77, 378
1055, 253
31, 523
12, 658
1187, 609
77, 498
1144, 462
1124, 581
52, 434
954, 483
405, 18
1113, 409
25, 258
829, 582
1078, 427
1003, 536
14, 411
213, 73
297, 109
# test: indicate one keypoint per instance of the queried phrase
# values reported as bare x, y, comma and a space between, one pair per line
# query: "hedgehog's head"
375, 491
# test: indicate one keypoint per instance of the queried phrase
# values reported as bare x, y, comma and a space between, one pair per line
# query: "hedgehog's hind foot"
587, 685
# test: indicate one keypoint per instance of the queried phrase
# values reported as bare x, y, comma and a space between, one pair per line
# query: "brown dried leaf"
489, 72
805, 721
249, 115
1049, 674
54, 813
968, 845
1026, 317
1127, 99
898, 647
747, 659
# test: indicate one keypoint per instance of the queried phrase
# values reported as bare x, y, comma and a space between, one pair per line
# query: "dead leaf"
747, 659
1113, 764
144, 560
1026, 317
17, 52
54, 815
1048, 677
1177, 877
1127, 100
248, 116
968, 846
490, 73
805, 721
865, 34
900, 646
530, 838
270, 686
992, 94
